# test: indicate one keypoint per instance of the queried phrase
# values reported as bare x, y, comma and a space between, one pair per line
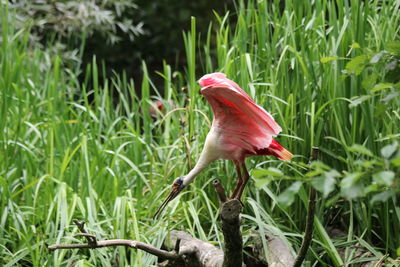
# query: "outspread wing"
243, 122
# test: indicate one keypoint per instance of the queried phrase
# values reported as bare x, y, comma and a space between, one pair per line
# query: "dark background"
163, 23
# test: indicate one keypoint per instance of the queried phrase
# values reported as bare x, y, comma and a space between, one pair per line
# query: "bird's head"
176, 188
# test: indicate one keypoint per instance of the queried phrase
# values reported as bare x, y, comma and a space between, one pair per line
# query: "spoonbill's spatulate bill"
240, 129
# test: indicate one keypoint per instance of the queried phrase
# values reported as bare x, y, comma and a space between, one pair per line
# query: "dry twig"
93, 243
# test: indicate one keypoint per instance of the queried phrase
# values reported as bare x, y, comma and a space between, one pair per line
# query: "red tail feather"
275, 149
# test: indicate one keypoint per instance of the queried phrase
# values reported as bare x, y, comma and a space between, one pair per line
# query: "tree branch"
220, 191
93, 243
121, 242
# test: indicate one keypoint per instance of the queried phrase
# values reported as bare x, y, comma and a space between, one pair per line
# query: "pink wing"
243, 122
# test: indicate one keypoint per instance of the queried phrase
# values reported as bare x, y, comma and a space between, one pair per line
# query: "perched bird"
240, 129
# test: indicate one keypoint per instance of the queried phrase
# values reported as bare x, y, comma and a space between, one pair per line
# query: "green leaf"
319, 165
271, 171
396, 162
369, 81
367, 163
381, 197
393, 47
355, 101
384, 177
389, 150
260, 183
372, 188
398, 251
325, 183
351, 187
381, 86
360, 149
314, 173
274, 172
328, 59
355, 45
350, 179
357, 64
353, 191
286, 198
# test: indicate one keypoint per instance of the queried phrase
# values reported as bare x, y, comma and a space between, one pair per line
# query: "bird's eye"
177, 185
178, 181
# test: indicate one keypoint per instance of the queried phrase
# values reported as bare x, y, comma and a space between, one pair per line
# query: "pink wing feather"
243, 122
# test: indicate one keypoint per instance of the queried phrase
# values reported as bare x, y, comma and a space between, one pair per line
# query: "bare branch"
121, 242
93, 243
90, 238
220, 190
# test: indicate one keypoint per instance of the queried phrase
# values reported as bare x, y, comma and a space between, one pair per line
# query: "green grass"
91, 151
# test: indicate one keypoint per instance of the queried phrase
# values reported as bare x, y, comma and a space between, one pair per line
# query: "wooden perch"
230, 217
195, 252
200, 253
220, 191
93, 243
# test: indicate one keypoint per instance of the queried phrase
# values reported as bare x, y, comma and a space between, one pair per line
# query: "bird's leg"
245, 180
239, 181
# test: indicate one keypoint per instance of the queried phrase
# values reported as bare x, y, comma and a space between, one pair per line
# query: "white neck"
209, 154
206, 157
200, 165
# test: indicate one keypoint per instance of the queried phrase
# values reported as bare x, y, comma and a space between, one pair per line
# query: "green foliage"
73, 18
286, 198
381, 72
325, 183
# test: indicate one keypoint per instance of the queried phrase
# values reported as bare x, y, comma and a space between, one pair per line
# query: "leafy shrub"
72, 18
381, 72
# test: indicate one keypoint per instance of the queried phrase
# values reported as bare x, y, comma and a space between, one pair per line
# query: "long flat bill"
170, 197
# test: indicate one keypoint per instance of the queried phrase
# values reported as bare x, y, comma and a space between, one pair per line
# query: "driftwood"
279, 254
194, 252
93, 243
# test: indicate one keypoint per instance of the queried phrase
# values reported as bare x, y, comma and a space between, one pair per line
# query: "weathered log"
278, 253
230, 217
196, 252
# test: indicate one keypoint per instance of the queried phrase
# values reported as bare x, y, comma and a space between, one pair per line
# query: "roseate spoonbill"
240, 129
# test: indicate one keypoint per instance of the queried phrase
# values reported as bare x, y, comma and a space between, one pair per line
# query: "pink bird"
240, 129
